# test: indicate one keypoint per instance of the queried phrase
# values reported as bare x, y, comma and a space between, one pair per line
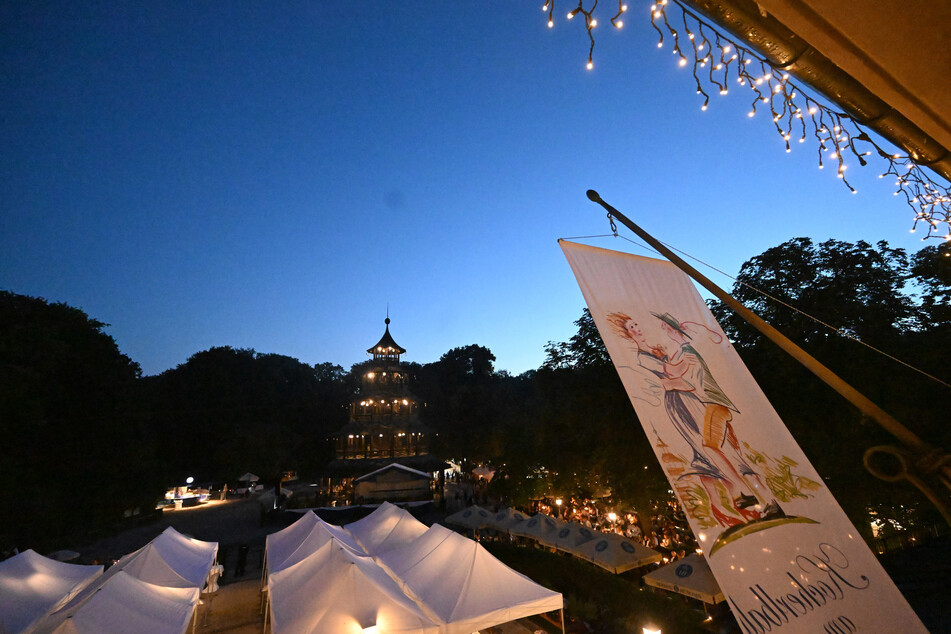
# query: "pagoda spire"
386, 347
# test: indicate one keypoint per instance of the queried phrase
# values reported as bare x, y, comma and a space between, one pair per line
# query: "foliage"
71, 441
872, 294
465, 400
585, 348
240, 411
566, 429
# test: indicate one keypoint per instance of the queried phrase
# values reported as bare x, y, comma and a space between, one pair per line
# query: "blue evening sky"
275, 175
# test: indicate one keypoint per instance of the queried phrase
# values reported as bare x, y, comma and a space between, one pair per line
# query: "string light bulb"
930, 202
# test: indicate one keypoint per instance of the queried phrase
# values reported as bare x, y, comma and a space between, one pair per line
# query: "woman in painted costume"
701, 413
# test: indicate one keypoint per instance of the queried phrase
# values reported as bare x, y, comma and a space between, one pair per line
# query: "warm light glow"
651, 630
558, 502
783, 99
612, 516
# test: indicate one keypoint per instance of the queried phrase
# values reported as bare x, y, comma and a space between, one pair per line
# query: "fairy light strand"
719, 62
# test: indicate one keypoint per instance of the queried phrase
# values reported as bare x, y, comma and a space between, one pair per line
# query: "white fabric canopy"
336, 590
279, 546
126, 604
32, 586
248, 477
616, 553
473, 517
541, 527
172, 560
462, 584
572, 535
385, 528
320, 533
690, 576
505, 519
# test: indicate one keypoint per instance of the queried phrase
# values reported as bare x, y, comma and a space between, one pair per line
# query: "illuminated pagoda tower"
384, 418
383, 450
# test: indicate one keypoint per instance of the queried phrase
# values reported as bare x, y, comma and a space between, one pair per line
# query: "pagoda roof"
386, 345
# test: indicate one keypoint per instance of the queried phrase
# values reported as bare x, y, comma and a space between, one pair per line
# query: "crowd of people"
666, 530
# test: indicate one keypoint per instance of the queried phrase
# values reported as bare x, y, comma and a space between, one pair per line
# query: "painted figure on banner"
717, 480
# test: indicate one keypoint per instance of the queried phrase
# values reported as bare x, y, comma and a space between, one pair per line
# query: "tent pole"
266, 613
928, 458
562, 611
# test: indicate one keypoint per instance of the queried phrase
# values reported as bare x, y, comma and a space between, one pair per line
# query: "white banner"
783, 551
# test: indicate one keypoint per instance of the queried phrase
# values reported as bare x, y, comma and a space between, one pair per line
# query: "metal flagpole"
922, 455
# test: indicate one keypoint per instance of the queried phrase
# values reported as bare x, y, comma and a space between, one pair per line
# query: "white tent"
127, 604
473, 517
690, 576
320, 533
32, 586
172, 560
484, 472
462, 584
542, 528
279, 546
572, 535
336, 590
616, 553
248, 477
385, 528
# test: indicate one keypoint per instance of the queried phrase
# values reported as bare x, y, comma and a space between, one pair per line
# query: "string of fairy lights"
719, 62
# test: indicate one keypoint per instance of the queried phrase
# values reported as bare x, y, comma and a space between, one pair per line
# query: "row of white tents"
154, 589
610, 551
690, 576
388, 572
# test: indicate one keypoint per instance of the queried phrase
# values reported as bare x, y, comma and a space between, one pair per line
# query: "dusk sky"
277, 175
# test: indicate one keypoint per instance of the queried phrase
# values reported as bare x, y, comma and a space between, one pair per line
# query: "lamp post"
558, 505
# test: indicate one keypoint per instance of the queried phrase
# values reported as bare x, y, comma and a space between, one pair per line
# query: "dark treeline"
86, 438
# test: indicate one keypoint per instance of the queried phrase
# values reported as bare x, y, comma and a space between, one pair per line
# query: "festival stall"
337, 590
33, 586
387, 527
462, 584
127, 604
171, 560
319, 534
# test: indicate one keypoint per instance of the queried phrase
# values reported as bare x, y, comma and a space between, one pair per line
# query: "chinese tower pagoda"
384, 420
